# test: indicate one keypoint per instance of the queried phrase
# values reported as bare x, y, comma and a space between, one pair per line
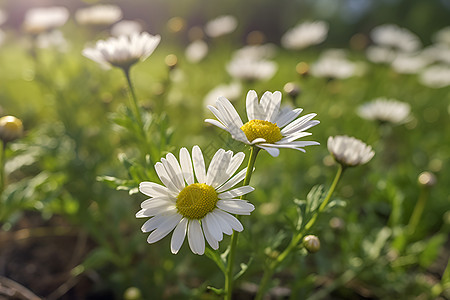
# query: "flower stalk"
234, 237
2, 166
268, 273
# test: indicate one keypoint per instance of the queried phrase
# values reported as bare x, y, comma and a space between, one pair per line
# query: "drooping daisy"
123, 51
304, 35
349, 151
385, 110
268, 126
436, 76
201, 209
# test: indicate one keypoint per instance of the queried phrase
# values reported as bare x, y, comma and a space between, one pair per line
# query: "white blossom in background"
269, 127
3, 17
123, 51
380, 55
256, 52
393, 36
442, 36
385, 110
349, 151
230, 91
439, 53
200, 207
408, 63
2, 37
99, 15
126, 27
334, 64
248, 69
196, 51
38, 20
437, 76
53, 39
304, 35
221, 26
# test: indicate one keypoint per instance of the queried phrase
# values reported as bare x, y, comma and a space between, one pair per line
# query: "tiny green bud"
311, 243
132, 293
292, 89
427, 179
11, 128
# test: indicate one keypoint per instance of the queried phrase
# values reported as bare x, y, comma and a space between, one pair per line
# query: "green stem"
418, 210
2, 166
268, 273
134, 101
234, 237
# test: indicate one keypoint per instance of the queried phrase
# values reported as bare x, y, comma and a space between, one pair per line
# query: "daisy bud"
292, 89
427, 179
171, 61
311, 243
11, 128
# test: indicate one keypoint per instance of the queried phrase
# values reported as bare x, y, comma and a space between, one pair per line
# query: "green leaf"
219, 292
215, 256
431, 251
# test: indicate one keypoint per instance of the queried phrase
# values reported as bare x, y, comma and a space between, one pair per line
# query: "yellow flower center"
196, 200
262, 129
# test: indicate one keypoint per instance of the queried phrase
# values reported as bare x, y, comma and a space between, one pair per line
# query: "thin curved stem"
134, 101
2, 166
234, 237
268, 273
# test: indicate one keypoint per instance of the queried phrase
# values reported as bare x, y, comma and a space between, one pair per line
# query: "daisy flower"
349, 151
385, 110
42, 19
268, 126
123, 51
304, 35
199, 209
221, 25
101, 14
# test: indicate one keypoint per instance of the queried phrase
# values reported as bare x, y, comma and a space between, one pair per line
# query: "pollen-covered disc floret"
201, 210
269, 127
196, 200
262, 129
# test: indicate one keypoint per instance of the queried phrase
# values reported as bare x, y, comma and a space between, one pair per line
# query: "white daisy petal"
176, 169
186, 166
152, 189
195, 237
215, 167
214, 226
199, 164
287, 115
254, 111
222, 222
157, 202
273, 108
165, 178
233, 181
152, 223
274, 152
164, 228
297, 124
236, 192
231, 220
229, 111
216, 123
236, 206
178, 236
209, 238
